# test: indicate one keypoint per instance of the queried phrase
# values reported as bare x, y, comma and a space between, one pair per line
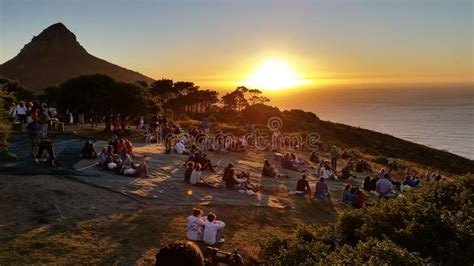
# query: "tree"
235, 100
162, 88
102, 95
255, 97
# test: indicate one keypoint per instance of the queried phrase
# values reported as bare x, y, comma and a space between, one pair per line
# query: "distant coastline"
441, 119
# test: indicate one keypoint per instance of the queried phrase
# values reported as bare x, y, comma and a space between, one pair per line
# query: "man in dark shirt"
302, 187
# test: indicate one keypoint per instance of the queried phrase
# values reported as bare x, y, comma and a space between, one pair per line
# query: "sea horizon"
441, 118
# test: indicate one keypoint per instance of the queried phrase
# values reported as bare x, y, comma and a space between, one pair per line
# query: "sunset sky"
223, 44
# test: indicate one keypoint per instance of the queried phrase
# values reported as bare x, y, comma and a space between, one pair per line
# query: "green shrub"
433, 224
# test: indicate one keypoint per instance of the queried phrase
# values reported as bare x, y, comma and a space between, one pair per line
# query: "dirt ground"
51, 217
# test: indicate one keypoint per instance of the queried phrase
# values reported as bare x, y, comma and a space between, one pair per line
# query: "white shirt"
210, 231
195, 177
180, 147
195, 228
326, 173
384, 185
21, 110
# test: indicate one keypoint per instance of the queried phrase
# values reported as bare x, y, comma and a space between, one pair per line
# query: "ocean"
442, 118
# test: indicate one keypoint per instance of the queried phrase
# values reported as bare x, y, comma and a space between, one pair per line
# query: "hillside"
55, 56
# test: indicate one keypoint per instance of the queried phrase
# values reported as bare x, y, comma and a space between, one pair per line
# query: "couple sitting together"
193, 175
237, 181
207, 229
122, 164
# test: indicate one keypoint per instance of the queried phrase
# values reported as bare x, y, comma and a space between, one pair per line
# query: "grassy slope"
378, 144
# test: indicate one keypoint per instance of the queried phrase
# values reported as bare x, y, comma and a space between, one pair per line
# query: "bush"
434, 224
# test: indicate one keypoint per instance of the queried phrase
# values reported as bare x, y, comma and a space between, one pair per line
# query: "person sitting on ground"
411, 181
346, 194
363, 166
369, 184
188, 172
112, 165
197, 179
321, 191
346, 173
88, 150
227, 173
302, 186
359, 199
287, 163
384, 186
205, 162
103, 159
234, 181
326, 172
134, 170
351, 196
180, 148
269, 170
121, 148
180, 253
213, 230
195, 227
315, 157
128, 147
347, 154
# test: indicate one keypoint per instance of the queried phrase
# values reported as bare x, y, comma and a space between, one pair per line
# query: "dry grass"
135, 237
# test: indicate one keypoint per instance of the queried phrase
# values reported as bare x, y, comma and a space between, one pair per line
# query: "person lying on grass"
197, 179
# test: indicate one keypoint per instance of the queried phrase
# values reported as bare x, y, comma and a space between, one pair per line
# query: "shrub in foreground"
434, 224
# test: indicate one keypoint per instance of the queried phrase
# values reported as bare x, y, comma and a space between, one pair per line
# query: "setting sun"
274, 75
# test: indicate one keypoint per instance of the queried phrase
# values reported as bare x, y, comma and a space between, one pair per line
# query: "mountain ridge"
55, 56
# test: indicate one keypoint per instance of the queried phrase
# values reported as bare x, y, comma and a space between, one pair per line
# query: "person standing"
205, 125
334, 156
43, 120
21, 111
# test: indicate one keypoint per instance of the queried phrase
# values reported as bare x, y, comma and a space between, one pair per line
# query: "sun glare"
274, 75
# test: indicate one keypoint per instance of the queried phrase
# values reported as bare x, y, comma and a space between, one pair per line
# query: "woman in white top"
326, 172
196, 178
195, 229
180, 148
213, 230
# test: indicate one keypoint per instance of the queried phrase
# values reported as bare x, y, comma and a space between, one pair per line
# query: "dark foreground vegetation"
430, 225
